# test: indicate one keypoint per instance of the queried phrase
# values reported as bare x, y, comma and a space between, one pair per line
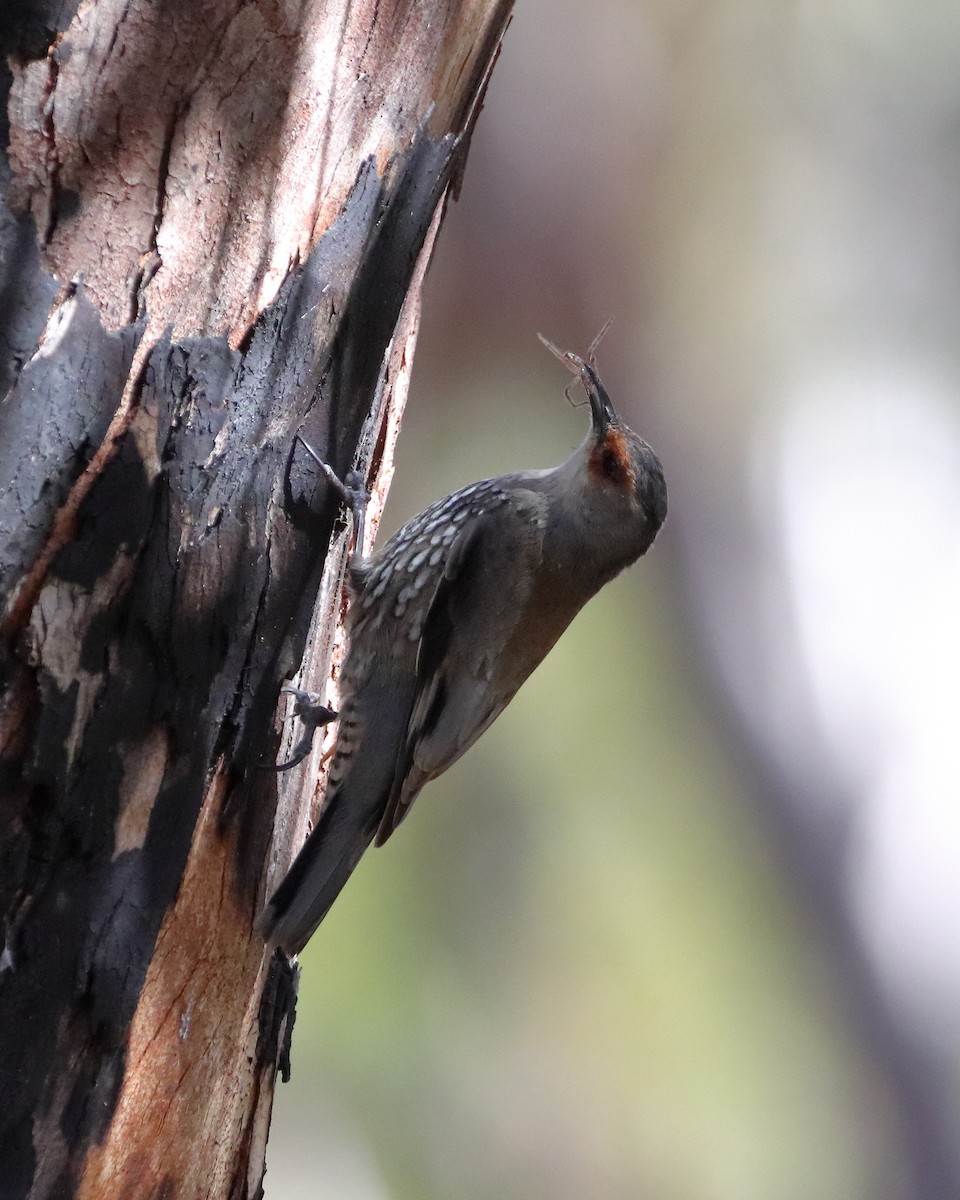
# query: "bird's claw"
314, 716
351, 488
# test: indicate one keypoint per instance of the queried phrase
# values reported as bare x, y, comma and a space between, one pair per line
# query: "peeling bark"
214, 223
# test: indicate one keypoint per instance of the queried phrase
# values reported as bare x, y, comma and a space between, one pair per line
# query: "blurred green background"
684, 923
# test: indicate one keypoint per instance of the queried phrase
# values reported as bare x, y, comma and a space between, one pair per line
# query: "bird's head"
620, 478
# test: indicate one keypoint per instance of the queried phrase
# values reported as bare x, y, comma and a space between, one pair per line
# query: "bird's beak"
602, 412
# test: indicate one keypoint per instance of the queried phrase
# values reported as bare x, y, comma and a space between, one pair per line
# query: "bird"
447, 621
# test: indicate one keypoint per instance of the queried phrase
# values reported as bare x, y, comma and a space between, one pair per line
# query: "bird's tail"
319, 871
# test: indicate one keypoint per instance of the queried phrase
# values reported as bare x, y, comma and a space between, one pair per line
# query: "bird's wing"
478, 601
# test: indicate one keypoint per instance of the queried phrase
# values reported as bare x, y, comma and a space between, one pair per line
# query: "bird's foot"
351, 488
314, 716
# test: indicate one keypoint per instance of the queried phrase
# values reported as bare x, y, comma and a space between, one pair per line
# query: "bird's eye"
610, 465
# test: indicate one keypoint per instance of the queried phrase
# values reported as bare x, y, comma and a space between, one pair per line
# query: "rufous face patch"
610, 460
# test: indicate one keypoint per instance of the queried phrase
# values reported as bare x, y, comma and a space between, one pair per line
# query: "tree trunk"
214, 223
